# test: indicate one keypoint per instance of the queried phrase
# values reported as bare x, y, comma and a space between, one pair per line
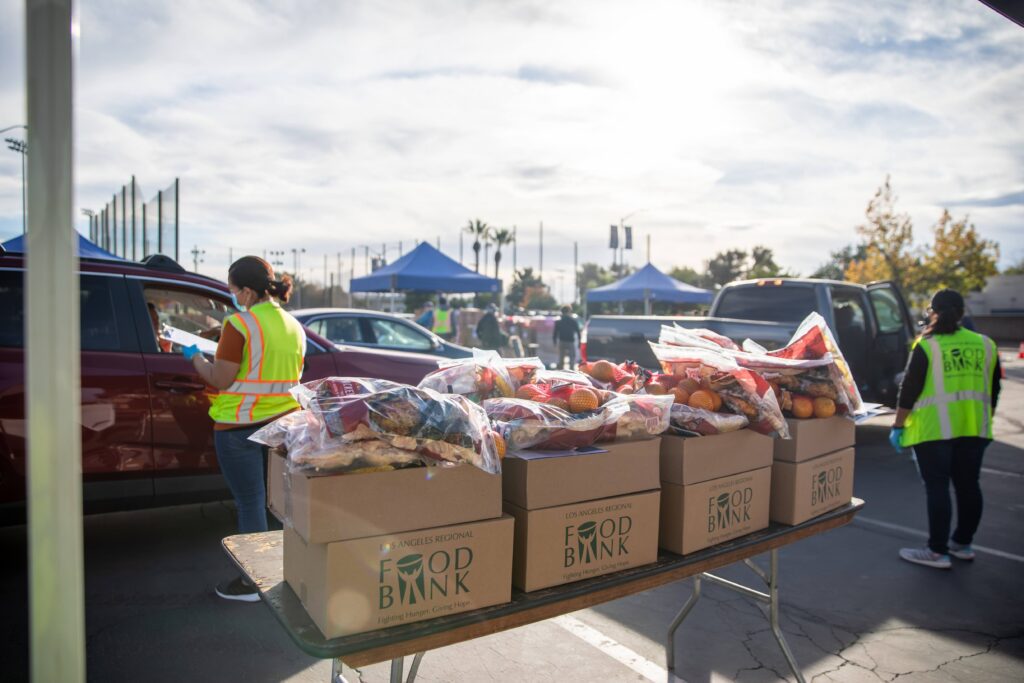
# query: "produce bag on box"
743, 391
522, 370
645, 417
478, 378
687, 421
348, 422
532, 424
627, 377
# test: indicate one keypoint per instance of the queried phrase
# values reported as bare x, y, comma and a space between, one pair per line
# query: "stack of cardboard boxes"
813, 470
371, 550
582, 515
713, 489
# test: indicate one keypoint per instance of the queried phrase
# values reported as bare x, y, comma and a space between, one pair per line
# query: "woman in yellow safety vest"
944, 412
259, 358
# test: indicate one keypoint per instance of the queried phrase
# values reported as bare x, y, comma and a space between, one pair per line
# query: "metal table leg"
771, 598
397, 666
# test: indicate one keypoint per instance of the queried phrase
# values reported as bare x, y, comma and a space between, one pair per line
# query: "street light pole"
20, 146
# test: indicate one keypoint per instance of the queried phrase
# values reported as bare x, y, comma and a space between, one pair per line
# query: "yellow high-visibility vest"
272, 359
442, 321
957, 396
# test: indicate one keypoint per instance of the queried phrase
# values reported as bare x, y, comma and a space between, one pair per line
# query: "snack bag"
478, 378
674, 335
687, 421
645, 417
529, 424
742, 390
338, 387
522, 370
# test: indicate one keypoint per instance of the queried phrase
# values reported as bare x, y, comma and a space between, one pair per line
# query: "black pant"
959, 461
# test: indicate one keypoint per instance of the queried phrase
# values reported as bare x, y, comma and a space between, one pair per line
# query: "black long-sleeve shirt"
917, 371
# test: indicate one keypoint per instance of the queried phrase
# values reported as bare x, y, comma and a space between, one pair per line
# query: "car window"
190, 311
100, 330
397, 335
340, 329
888, 311
771, 303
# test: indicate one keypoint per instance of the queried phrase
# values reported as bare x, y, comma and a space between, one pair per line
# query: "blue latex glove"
190, 352
895, 435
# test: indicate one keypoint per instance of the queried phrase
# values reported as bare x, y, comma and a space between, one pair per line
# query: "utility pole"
21, 147
648, 247
231, 256
540, 270
339, 278
197, 257
297, 261
515, 247
460, 247
575, 270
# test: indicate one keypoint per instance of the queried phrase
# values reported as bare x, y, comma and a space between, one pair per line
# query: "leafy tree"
959, 258
688, 275
529, 291
763, 264
839, 261
1016, 269
500, 237
592, 275
479, 230
726, 266
889, 238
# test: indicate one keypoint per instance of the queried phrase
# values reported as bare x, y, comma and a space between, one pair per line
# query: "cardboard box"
801, 491
699, 515
346, 506
690, 460
568, 543
370, 583
813, 437
531, 481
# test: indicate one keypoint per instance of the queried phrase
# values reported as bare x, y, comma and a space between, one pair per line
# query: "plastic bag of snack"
674, 335
478, 378
742, 390
531, 424
627, 377
522, 370
687, 421
645, 417
338, 387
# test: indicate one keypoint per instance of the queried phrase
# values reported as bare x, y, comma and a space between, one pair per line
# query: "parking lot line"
922, 534
615, 650
1002, 473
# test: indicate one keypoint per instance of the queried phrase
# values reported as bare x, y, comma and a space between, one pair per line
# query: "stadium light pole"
20, 146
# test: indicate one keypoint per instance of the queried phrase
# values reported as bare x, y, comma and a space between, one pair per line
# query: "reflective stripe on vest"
442, 321
955, 401
254, 397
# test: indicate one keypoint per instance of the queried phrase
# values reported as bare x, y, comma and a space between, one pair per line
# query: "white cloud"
330, 125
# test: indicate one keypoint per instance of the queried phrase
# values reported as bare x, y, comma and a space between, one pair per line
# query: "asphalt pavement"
852, 611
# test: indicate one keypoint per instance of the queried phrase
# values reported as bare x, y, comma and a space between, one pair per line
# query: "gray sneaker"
238, 589
926, 557
961, 552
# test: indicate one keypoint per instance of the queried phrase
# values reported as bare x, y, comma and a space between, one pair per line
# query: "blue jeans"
241, 462
957, 461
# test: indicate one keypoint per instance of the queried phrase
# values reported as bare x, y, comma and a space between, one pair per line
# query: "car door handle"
179, 387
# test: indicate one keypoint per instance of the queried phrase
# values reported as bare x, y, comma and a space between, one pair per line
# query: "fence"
133, 228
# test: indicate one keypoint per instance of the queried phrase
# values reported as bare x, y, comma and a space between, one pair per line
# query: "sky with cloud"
333, 125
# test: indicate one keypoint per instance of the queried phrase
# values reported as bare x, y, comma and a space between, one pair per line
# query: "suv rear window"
772, 303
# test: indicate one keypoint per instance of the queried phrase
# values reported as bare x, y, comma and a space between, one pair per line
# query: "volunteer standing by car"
259, 358
945, 408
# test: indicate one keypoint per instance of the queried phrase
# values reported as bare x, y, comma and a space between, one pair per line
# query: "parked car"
373, 329
871, 323
146, 435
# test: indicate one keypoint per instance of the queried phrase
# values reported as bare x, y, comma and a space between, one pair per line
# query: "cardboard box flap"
689, 460
813, 437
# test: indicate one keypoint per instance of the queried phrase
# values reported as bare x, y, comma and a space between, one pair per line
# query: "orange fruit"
499, 444
529, 392
682, 396
702, 398
803, 407
824, 407
717, 400
656, 388
559, 403
690, 385
603, 371
582, 400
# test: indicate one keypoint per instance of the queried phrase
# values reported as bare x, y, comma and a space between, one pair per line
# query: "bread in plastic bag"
530, 424
646, 416
687, 421
478, 378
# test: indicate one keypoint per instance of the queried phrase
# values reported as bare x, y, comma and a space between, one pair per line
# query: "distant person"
443, 323
426, 318
456, 321
165, 345
488, 330
566, 336
945, 408
259, 358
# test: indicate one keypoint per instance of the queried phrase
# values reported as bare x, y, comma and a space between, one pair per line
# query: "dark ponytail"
258, 275
948, 307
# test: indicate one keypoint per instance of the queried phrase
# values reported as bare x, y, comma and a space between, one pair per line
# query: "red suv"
146, 435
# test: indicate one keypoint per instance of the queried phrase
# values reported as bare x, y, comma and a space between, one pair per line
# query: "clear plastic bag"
323, 390
522, 370
683, 336
478, 378
742, 390
416, 425
687, 421
645, 417
627, 377
529, 424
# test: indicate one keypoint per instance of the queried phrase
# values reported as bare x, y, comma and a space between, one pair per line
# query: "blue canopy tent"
425, 269
86, 249
649, 285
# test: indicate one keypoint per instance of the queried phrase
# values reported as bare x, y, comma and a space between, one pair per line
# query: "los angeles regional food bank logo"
826, 485
597, 540
420, 578
727, 510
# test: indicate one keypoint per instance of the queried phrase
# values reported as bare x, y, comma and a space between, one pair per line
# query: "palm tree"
479, 230
500, 237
